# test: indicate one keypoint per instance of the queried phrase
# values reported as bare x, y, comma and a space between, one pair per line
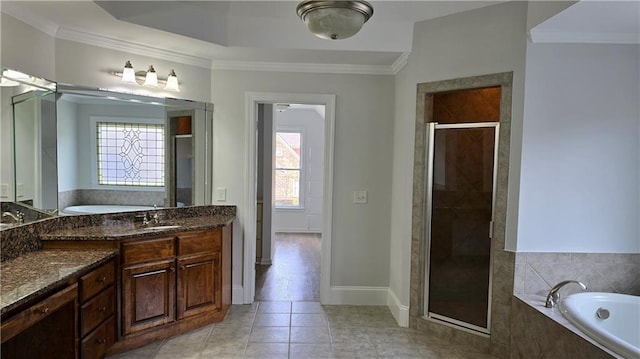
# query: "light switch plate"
19, 190
221, 194
359, 196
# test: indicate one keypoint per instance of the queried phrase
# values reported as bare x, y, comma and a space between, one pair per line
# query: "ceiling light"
172, 82
152, 77
334, 20
128, 75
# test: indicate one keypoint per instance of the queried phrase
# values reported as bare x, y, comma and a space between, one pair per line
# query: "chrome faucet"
17, 218
150, 219
554, 296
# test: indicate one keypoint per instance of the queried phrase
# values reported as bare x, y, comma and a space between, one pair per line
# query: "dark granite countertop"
110, 230
34, 274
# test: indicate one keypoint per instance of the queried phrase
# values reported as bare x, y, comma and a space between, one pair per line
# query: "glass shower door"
460, 206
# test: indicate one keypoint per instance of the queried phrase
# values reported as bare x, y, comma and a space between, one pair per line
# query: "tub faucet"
554, 296
17, 218
150, 219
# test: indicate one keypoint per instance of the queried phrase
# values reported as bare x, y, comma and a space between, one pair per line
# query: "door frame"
431, 129
252, 99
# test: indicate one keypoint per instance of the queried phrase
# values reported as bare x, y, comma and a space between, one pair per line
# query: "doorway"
323, 221
289, 207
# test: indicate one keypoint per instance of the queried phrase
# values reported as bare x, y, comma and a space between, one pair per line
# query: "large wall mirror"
115, 152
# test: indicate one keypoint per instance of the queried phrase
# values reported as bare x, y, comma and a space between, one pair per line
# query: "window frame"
94, 151
301, 170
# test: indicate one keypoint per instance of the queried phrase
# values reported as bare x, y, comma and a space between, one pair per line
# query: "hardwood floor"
294, 274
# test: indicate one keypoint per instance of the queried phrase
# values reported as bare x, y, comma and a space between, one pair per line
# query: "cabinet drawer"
141, 251
30, 316
96, 311
97, 342
200, 242
94, 282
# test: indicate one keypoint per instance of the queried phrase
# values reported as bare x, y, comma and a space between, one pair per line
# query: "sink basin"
161, 228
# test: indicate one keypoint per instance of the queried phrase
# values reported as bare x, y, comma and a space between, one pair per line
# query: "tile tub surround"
304, 330
539, 332
36, 273
27, 238
537, 273
100, 196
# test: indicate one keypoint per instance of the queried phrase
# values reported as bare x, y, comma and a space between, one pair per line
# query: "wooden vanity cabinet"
199, 273
28, 333
97, 313
148, 283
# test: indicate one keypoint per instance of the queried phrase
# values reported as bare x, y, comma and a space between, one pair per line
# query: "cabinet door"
199, 285
148, 294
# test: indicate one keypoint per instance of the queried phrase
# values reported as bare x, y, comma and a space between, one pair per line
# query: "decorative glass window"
130, 154
288, 167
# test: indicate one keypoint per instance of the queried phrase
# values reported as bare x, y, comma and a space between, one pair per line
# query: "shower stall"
459, 217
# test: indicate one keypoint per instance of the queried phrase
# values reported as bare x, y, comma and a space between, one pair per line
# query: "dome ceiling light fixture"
334, 20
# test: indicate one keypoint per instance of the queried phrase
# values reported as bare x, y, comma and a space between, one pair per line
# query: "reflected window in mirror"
130, 154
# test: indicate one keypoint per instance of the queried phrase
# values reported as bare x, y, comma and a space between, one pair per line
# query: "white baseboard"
349, 295
237, 294
399, 311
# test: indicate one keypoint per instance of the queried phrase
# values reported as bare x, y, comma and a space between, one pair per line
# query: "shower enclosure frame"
498, 342
429, 154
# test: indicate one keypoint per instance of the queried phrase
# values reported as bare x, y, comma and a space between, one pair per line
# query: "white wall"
86, 65
309, 218
580, 188
27, 134
26, 49
363, 153
479, 42
68, 150
6, 139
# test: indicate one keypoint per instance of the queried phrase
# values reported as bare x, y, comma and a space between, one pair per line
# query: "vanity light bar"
147, 78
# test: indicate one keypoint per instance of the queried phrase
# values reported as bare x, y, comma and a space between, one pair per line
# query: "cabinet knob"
101, 341
102, 309
102, 279
44, 311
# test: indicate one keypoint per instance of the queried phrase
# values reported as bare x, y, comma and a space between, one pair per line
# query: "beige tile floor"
303, 330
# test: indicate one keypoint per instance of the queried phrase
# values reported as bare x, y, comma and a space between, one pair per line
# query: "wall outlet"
221, 194
4, 190
359, 196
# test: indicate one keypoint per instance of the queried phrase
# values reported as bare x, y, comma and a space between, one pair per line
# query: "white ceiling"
233, 34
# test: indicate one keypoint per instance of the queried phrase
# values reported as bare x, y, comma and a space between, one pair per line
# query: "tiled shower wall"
536, 273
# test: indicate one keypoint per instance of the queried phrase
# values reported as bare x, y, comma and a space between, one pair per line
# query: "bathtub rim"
118, 208
537, 302
604, 338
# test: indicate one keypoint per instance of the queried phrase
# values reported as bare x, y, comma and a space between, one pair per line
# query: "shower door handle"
491, 229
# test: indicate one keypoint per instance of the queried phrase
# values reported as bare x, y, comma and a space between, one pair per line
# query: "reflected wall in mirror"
107, 151
120, 152
28, 127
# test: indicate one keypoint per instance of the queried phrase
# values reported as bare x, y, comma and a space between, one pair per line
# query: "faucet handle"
554, 296
20, 216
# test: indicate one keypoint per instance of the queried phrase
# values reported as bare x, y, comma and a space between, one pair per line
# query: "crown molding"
46, 26
552, 36
400, 62
80, 36
303, 67
121, 45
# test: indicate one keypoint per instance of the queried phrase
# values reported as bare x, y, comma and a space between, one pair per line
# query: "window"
130, 154
288, 169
